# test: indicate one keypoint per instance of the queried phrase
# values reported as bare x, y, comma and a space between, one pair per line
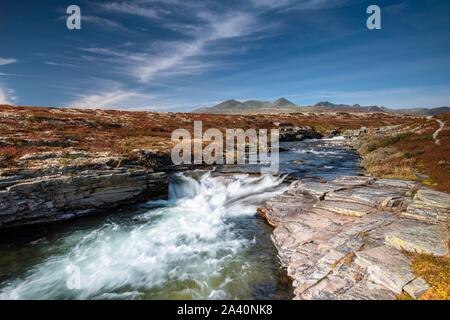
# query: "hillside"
283, 105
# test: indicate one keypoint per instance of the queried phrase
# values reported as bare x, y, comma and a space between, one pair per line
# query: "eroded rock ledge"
51, 187
344, 239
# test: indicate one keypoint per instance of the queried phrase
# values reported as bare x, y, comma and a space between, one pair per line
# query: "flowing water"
204, 242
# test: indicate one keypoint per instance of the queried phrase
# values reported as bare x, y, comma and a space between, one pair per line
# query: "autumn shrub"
388, 162
8, 152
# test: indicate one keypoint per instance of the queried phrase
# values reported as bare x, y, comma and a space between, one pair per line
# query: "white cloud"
7, 96
131, 8
270, 3
187, 55
298, 4
107, 24
112, 99
5, 61
176, 55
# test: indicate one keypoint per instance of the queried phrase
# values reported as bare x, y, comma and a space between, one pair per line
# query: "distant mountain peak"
283, 105
324, 104
283, 102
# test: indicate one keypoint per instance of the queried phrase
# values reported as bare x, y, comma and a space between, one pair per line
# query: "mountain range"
283, 105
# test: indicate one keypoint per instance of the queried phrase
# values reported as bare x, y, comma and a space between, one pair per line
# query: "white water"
187, 247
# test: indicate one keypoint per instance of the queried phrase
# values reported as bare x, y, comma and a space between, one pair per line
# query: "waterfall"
188, 246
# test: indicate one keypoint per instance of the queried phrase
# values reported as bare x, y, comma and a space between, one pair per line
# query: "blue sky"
179, 55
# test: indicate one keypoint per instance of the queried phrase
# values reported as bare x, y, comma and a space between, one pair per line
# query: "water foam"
183, 248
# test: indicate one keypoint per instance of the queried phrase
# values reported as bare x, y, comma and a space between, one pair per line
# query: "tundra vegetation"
409, 151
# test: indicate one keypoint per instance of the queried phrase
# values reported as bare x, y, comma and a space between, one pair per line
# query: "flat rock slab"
345, 208
394, 183
370, 196
433, 198
341, 239
353, 181
316, 189
285, 208
416, 288
386, 267
429, 239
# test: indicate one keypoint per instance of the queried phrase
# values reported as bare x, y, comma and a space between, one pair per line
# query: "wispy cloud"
270, 3
5, 61
112, 99
132, 8
107, 24
298, 4
7, 96
176, 55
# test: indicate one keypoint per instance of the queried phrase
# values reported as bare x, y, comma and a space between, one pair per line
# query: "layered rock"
298, 134
430, 206
344, 239
59, 185
57, 198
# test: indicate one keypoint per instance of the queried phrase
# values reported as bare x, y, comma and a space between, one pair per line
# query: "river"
205, 241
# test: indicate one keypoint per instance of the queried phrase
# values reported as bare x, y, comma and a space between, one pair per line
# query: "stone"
345, 208
316, 189
285, 208
429, 239
339, 239
289, 133
370, 196
423, 213
386, 267
394, 203
395, 183
433, 198
353, 181
416, 288
364, 290
40, 156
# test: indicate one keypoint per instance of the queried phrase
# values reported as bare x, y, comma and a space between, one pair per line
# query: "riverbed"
205, 241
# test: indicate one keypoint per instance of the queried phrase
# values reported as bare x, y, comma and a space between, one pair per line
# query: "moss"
404, 296
436, 272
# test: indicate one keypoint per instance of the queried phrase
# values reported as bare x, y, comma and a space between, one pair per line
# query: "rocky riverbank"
349, 238
56, 186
